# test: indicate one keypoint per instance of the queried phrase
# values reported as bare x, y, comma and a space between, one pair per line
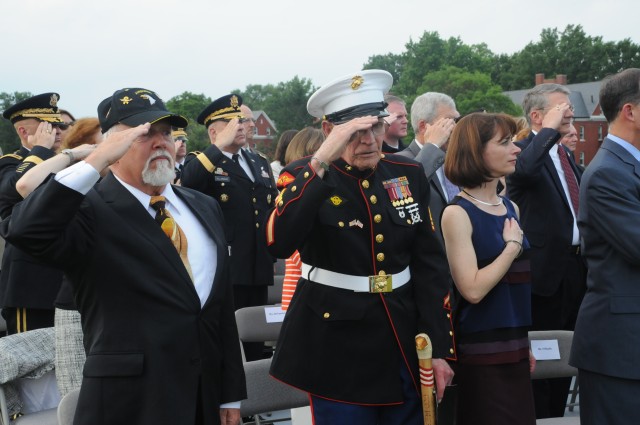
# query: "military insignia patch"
263, 173
356, 223
284, 179
356, 82
220, 172
54, 100
336, 200
234, 101
125, 100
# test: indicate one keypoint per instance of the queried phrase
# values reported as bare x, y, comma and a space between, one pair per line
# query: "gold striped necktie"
171, 229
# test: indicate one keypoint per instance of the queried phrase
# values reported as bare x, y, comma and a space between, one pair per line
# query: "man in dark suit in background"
398, 128
154, 294
28, 287
607, 334
545, 187
433, 117
242, 183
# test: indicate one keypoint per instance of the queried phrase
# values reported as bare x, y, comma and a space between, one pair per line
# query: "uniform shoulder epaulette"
194, 153
12, 155
262, 155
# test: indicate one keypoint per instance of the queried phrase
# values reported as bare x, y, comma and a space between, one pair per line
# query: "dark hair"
619, 89
464, 165
64, 111
283, 143
82, 132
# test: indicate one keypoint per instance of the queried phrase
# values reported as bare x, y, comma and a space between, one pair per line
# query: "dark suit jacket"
24, 281
244, 203
431, 157
545, 213
607, 333
150, 345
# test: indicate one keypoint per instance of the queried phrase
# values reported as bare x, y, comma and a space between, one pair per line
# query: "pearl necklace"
489, 204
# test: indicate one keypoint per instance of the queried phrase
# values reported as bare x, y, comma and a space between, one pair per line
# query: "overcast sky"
85, 50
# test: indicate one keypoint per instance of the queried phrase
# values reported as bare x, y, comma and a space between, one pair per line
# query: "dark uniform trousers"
244, 203
28, 287
354, 351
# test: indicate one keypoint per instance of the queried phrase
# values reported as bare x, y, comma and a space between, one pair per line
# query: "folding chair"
546, 369
67, 407
264, 393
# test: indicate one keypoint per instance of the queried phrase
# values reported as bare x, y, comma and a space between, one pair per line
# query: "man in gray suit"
433, 117
607, 332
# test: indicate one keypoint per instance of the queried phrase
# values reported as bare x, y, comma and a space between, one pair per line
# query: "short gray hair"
536, 98
425, 107
389, 98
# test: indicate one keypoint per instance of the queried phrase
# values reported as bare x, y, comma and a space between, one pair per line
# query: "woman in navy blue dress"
486, 250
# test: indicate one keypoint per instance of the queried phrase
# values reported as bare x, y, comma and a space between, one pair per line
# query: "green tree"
581, 57
390, 62
190, 105
431, 54
9, 140
285, 103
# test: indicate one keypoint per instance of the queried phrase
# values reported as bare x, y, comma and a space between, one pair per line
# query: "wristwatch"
69, 153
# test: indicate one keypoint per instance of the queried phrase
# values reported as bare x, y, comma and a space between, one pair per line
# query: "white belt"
351, 282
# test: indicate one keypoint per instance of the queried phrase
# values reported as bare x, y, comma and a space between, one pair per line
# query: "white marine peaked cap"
354, 95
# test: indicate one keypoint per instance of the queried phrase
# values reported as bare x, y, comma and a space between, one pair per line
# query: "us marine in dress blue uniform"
373, 275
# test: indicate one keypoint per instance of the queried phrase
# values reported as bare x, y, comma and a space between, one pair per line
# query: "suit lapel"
621, 153
141, 223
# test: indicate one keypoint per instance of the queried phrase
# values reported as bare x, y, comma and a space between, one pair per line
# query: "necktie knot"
158, 202
236, 158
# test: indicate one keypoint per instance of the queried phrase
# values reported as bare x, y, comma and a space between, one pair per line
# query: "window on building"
581, 159
268, 131
582, 133
600, 133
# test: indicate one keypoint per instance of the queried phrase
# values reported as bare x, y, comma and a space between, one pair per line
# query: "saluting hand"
228, 134
45, 136
555, 116
340, 136
115, 146
438, 133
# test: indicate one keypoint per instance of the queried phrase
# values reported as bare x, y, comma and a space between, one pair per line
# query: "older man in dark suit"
607, 335
433, 117
147, 262
545, 187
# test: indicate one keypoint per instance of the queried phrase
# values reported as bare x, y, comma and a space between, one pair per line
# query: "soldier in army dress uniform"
373, 275
242, 182
28, 287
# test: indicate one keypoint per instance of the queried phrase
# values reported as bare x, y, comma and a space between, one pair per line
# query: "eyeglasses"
62, 125
377, 129
571, 108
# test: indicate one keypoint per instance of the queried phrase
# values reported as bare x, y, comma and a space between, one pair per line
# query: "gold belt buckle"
380, 283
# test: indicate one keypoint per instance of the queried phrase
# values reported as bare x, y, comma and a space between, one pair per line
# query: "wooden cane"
424, 350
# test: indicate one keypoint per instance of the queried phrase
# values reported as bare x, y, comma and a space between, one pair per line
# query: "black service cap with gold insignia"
135, 106
43, 107
224, 108
179, 134
351, 96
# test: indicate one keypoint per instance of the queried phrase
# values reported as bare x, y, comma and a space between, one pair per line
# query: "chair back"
67, 407
253, 325
266, 394
546, 369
